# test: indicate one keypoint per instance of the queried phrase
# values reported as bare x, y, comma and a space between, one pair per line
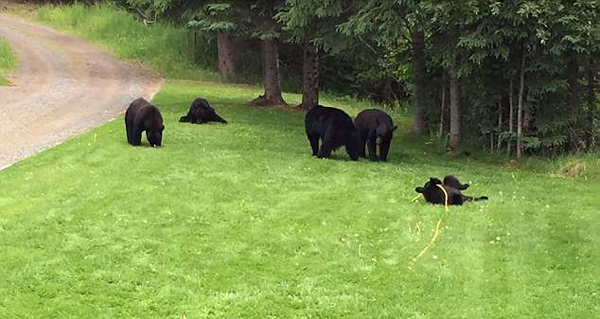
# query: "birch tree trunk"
520, 107
499, 126
454, 112
442, 109
511, 119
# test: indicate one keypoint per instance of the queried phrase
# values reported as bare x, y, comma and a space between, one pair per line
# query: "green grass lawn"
239, 221
7, 62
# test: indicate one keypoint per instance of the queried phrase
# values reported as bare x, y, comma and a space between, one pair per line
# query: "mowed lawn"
239, 221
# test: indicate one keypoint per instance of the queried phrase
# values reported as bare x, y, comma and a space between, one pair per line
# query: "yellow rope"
445, 195
415, 199
437, 227
437, 231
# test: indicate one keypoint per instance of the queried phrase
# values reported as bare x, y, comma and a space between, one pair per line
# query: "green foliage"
8, 61
365, 50
311, 19
207, 16
549, 34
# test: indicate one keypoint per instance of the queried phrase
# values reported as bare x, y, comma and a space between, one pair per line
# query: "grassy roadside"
166, 49
8, 62
238, 221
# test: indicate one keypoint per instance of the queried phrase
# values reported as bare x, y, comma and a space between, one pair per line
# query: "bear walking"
334, 128
433, 194
201, 112
143, 116
375, 127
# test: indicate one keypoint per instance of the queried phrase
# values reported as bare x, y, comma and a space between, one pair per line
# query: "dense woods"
513, 77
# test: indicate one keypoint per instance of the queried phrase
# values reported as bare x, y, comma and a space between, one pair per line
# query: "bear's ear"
419, 189
395, 127
434, 181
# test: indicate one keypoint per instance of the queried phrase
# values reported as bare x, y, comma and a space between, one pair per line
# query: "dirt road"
63, 86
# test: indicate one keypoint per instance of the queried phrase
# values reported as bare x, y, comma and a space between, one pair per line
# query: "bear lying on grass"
201, 112
334, 128
143, 116
375, 127
433, 194
452, 181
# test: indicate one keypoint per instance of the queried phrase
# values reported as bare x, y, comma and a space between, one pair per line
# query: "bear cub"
375, 127
201, 112
433, 194
142, 116
334, 128
452, 181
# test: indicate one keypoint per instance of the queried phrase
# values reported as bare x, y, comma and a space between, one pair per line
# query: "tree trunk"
418, 58
511, 117
499, 126
272, 95
592, 108
442, 109
520, 107
454, 112
310, 76
573, 100
591, 90
228, 55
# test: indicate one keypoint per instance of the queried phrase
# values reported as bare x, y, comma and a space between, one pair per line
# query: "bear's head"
155, 136
429, 185
353, 145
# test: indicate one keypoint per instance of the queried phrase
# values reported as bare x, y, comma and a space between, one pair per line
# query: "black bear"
375, 127
201, 112
335, 128
435, 195
452, 181
143, 116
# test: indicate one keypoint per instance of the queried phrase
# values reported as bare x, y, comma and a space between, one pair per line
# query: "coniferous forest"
512, 77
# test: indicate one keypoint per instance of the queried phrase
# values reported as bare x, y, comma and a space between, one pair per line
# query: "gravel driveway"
63, 86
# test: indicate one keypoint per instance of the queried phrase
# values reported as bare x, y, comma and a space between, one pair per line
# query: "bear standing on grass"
375, 127
143, 116
201, 112
334, 128
435, 195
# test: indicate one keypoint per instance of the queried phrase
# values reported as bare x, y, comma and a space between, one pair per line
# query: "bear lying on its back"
435, 195
375, 126
452, 181
143, 116
201, 112
334, 128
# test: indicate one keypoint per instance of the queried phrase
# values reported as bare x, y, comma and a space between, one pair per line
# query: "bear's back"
146, 114
372, 118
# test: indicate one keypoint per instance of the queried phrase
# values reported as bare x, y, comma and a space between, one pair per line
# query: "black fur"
375, 127
452, 181
433, 194
143, 116
201, 112
334, 128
